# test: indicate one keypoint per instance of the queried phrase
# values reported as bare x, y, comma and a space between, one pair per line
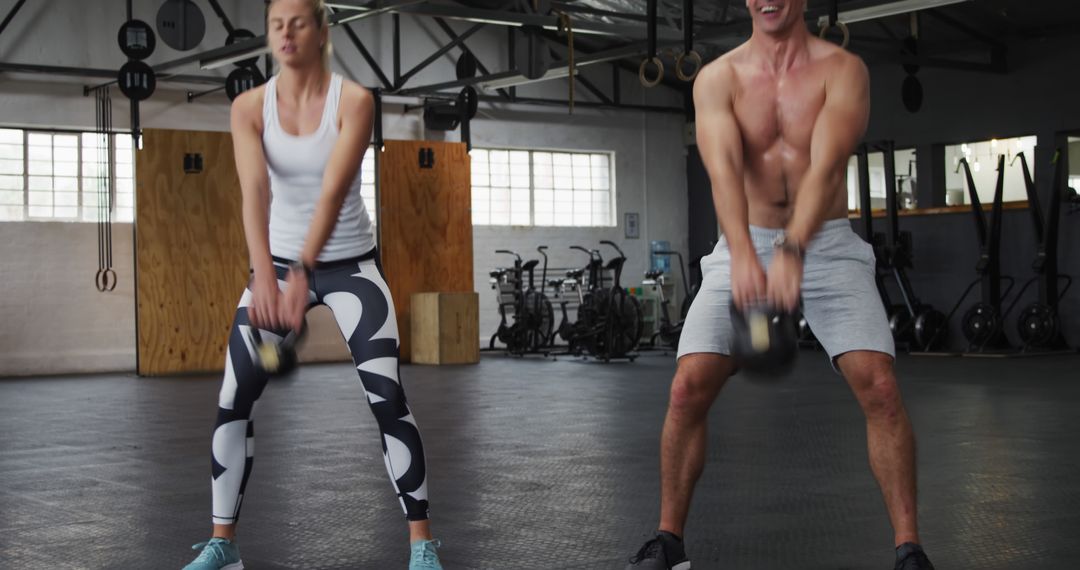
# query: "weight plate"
242, 79
137, 80
931, 329
980, 321
466, 66
239, 35
472, 99
181, 24
1037, 325
532, 54
912, 94
900, 324
136, 39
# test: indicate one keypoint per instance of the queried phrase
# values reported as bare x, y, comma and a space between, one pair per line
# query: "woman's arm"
246, 126
356, 115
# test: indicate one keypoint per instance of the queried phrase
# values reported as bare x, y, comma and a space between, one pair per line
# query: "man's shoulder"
835, 57
720, 69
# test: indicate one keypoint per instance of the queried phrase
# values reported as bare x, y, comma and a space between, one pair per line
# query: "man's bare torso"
776, 111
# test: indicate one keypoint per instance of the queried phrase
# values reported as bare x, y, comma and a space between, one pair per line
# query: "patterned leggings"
357, 294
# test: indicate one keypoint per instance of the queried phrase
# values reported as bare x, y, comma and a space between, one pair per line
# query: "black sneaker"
910, 556
664, 552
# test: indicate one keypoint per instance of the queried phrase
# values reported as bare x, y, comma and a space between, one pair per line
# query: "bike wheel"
670, 336
624, 324
537, 321
592, 318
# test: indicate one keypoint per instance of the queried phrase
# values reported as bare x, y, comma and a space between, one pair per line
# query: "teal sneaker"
218, 554
423, 555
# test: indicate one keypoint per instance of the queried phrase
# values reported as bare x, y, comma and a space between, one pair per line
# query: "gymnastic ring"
825, 27
692, 55
659, 71
105, 280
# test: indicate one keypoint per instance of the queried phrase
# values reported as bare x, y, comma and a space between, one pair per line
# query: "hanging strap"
566, 26
651, 57
105, 278
688, 45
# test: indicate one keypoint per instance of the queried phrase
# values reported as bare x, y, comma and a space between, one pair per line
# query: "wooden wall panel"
191, 258
425, 223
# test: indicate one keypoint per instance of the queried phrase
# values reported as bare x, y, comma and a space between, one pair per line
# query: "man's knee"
697, 382
878, 393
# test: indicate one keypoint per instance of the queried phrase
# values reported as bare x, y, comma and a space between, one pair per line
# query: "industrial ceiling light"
886, 10
516, 80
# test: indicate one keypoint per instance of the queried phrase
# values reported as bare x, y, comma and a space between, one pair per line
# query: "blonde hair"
321, 13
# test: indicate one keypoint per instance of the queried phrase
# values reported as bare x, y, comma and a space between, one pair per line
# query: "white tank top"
296, 165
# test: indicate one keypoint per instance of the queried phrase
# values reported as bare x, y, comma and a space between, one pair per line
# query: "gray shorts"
840, 297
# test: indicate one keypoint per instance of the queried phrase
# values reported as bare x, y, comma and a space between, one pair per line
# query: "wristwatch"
784, 243
299, 266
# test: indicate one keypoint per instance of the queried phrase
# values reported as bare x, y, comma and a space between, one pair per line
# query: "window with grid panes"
57, 176
12, 179
52, 181
541, 188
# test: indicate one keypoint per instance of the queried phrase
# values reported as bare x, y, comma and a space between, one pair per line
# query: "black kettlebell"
277, 359
765, 340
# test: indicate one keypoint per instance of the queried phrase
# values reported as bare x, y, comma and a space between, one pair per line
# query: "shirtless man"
777, 120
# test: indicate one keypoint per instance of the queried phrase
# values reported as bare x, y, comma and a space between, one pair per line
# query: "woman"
302, 137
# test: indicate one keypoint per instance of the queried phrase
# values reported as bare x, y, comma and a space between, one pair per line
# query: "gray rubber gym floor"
542, 465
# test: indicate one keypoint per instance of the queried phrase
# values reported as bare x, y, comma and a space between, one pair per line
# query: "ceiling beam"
508, 18
248, 48
102, 73
11, 15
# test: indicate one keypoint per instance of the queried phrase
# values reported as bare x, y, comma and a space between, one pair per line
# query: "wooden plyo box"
445, 328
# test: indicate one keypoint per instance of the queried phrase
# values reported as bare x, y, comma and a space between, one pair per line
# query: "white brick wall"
54, 319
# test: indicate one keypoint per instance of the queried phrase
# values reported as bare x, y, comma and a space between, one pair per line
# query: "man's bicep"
719, 141
844, 117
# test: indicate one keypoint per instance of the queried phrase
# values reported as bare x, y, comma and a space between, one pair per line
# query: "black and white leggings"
357, 294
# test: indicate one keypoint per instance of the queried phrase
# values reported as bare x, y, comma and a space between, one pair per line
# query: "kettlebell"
277, 359
765, 340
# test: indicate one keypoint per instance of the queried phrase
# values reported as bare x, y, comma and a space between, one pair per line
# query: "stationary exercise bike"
610, 322
566, 289
580, 282
559, 288
668, 331
529, 309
